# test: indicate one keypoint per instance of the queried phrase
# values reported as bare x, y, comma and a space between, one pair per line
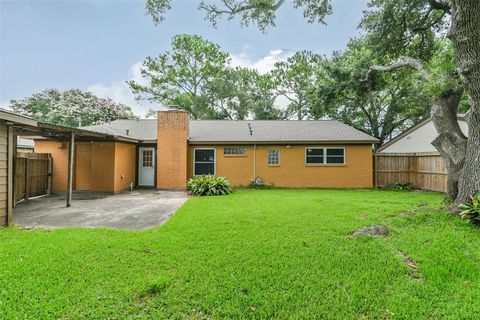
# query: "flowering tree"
71, 108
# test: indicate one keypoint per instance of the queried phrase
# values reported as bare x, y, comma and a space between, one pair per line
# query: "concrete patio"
135, 210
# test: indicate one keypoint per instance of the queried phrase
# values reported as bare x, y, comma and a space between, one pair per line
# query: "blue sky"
98, 45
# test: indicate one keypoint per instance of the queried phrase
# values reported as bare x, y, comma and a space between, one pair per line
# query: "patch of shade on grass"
258, 254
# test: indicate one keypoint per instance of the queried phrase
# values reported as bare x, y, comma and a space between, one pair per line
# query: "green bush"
209, 186
403, 187
471, 211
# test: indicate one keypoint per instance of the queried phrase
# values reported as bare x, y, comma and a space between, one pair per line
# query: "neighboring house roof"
140, 129
25, 143
231, 131
418, 138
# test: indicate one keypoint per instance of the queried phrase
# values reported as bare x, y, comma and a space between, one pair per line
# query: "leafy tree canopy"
262, 13
240, 93
71, 108
342, 93
406, 27
195, 76
295, 80
179, 76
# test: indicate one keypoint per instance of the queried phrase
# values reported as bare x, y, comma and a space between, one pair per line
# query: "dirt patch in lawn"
375, 230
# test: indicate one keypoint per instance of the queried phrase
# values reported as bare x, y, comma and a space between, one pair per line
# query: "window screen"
325, 156
204, 162
314, 155
273, 157
335, 155
234, 151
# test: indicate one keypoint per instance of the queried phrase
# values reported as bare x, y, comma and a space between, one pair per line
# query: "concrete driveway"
139, 209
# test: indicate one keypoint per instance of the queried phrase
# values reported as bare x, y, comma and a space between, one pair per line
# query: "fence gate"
33, 175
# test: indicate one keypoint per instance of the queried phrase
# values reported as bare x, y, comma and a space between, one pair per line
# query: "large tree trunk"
451, 143
465, 36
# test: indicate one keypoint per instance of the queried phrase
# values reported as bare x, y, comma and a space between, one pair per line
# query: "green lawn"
257, 254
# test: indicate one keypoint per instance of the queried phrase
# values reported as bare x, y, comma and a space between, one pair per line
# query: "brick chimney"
172, 136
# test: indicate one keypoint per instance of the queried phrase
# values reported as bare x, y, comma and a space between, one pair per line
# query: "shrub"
209, 186
471, 211
403, 186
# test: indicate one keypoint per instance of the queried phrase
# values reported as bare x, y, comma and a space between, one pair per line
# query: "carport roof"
26, 126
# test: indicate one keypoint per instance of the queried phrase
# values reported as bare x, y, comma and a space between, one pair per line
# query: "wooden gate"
33, 175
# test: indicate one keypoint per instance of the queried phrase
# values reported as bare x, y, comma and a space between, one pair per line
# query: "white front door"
146, 167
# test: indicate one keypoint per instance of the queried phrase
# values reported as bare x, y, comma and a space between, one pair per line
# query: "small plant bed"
255, 254
471, 211
209, 186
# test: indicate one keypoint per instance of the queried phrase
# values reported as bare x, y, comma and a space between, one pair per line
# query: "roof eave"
16, 118
298, 142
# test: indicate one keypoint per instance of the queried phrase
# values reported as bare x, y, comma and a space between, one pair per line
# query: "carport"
13, 125
134, 210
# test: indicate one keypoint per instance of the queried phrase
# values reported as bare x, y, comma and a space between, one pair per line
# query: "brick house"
166, 152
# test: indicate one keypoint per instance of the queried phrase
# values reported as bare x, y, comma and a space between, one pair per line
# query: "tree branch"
404, 62
233, 10
439, 5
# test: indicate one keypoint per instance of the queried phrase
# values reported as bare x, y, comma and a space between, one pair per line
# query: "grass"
257, 254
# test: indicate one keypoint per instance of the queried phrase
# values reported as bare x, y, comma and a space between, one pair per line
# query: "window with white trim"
324, 155
273, 157
234, 151
204, 162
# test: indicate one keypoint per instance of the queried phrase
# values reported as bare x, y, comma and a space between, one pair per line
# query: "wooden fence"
425, 170
32, 175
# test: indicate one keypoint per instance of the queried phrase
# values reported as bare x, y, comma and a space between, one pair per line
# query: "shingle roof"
275, 131
141, 129
202, 131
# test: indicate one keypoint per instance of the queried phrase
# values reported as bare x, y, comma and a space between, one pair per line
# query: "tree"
294, 79
422, 20
71, 108
341, 93
465, 36
259, 12
240, 93
151, 114
179, 77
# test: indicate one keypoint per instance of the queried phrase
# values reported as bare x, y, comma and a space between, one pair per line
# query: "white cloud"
5, 105
264, 64
119, 91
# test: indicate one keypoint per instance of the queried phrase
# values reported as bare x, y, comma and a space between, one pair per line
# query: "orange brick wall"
59, 152
172, 135
125, 162
292, 171
102, 166
110, 161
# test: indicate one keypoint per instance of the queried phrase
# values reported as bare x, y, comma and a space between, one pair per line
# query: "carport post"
71, 152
